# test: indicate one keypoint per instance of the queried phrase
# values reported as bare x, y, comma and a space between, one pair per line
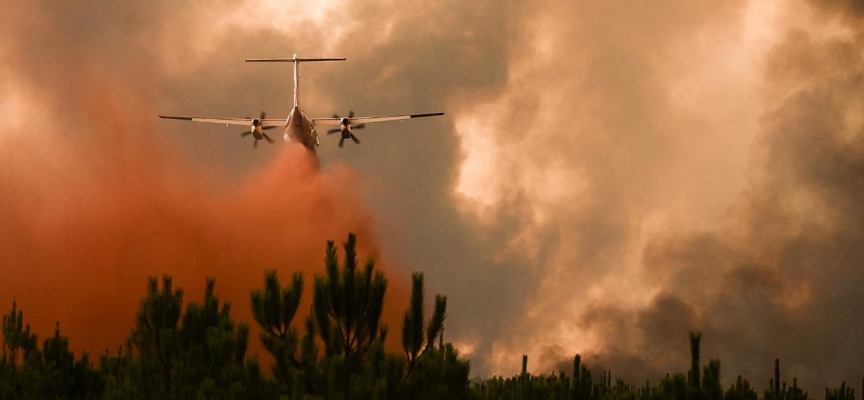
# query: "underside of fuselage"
299, 128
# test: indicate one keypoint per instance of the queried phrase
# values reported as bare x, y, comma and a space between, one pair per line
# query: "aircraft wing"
229, 121
370, 120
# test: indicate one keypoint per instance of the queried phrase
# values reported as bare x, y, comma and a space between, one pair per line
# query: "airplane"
298, 126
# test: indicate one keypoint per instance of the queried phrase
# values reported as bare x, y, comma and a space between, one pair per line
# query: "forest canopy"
336, 352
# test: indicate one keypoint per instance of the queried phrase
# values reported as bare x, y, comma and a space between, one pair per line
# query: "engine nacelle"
345, 128
255, 127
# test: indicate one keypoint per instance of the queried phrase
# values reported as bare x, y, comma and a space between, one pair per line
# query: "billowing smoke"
777, 276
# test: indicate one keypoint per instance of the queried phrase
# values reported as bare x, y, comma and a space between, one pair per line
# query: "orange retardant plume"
93, 211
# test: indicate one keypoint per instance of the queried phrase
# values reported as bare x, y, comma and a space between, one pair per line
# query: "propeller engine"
257, 131
345, 129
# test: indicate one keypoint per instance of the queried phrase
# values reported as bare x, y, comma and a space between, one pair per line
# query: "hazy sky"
608, 175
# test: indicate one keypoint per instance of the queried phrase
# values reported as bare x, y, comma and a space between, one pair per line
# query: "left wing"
369, 120
230, 121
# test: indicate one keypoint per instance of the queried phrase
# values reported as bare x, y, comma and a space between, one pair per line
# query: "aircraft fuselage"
299, 128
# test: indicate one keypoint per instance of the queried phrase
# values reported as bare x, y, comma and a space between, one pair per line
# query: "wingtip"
427, 115
175, 117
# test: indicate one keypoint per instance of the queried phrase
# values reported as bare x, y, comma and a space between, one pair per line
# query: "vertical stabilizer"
296, 61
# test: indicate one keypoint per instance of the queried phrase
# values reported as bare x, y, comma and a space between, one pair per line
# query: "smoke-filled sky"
608, 175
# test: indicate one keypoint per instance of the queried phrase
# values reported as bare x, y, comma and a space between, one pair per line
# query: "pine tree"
17, 337
155, 337
741, 390
204, 356
711, 388
796, 393
66, 377
439, 374
274, 309
20, 379
775, 391
348, 304
417, 338
693, 377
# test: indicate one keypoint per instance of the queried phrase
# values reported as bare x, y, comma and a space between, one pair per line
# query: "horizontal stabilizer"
293, 59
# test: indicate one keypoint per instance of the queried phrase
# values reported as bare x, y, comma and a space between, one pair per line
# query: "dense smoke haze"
608, 176
94, 202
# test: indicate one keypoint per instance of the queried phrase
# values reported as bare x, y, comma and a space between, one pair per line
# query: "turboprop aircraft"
298, 126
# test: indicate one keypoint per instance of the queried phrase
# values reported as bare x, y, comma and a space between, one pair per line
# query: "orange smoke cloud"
88, 218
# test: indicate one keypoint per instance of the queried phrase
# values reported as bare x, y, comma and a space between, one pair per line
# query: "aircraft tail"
296, 61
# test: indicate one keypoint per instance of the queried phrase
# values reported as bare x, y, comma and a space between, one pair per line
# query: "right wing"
229, 121
370, 120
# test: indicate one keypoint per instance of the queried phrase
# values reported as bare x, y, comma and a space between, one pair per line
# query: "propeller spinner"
345, 128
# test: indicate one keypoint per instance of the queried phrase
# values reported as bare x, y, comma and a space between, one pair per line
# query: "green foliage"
417, 338
65, 377
172, 355
156, 339
52, 372
345, 318
843, 393
795, 393
711, 388
740, 390
274, 309
347, 305
694, 377
439, 374
16, 336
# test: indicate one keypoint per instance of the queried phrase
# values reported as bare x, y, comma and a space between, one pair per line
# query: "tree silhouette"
200, 352
65, 377
20, 380
711, 388
203, 356
274, 309
348, 303
740, 390
155, 336
16, 336
693, 376
417, 338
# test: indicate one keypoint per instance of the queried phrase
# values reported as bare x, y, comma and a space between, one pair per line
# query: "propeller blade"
361, 126
351, 114
255, 144
268, 138
336, 116
263, 114
244, 134
341, 142
332, 131
268, 127
354, 138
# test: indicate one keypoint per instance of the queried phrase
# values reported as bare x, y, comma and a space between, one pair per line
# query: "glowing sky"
608, 176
